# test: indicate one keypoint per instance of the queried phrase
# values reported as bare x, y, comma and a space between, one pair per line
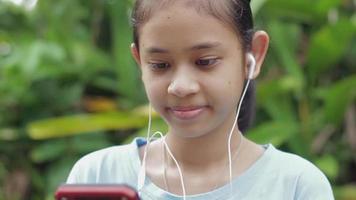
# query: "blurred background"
68, 86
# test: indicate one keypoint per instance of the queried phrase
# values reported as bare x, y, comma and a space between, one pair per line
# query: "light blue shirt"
276, 175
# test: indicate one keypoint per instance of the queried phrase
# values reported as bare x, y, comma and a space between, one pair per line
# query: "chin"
188, 131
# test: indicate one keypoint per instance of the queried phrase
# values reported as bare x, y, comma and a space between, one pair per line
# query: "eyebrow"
204, 45
153, 50
200, 46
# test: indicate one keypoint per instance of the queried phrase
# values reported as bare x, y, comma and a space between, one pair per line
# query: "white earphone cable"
178, 167
232, 130
142, 172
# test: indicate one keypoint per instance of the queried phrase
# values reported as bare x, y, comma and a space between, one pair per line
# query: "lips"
187, 112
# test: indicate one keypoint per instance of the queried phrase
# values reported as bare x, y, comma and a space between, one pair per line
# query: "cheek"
226, 90
156, 90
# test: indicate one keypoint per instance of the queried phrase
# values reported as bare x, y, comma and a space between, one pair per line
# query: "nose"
183, 84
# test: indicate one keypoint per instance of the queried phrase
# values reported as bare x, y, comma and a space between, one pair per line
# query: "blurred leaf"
48, 151
89, 57
86, 143
328, 46
345, 192
274, 97
70, 125
275, 87
337, 98
38, 181
144, 111
105, 83
324, 6
256, 5
54, 96
58, 172
3, 172
274, 132
280, 108
329, 165
128, 73
8, 134
281, 35
38, 51
99, 104
292, 9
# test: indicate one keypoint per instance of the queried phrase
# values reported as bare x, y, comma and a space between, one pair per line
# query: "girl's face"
192, 70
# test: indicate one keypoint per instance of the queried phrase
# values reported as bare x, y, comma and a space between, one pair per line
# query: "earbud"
251, 65
251, 69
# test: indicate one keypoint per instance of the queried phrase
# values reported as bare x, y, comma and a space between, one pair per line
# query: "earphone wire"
234, 157
174, 159
178, 167
142, 173
232, 130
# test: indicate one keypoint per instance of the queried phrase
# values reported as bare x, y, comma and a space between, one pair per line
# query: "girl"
197, 58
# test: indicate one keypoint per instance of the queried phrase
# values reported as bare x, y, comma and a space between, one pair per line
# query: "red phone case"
95, 192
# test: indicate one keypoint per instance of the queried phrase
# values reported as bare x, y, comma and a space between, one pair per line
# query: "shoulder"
104, 156
106, 165
289, 161
310, 182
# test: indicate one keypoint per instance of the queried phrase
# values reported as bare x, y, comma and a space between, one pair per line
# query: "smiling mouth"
185, 113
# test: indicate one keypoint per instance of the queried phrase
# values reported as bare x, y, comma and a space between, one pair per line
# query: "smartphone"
95, 192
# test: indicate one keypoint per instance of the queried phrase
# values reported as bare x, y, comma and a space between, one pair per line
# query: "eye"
206, 61
158, 66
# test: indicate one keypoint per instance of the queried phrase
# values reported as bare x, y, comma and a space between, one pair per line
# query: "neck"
207, 150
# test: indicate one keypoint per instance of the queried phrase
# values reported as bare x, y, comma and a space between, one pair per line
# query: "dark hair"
236, 13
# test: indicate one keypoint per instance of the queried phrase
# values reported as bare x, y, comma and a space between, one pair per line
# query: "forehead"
181, 26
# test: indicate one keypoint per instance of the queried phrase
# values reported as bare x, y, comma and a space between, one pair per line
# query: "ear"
260, 42
135, 54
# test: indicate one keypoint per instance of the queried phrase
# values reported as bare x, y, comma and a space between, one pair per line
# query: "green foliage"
334, 105
273, 132
70, 125
68, 86
55, 61
309, 83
